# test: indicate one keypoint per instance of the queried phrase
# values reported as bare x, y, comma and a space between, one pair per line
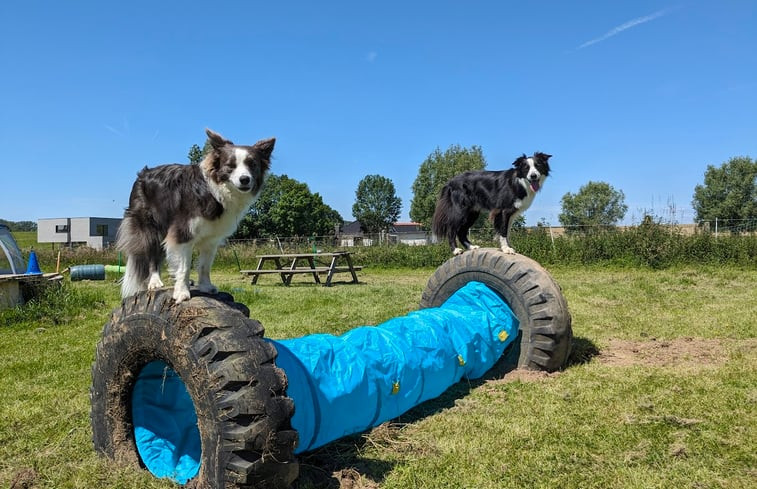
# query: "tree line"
20, 225
287, 207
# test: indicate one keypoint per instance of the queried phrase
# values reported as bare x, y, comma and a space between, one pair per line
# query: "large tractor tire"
535, 298
243, 416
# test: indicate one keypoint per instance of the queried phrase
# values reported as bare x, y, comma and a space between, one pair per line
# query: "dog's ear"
216, 140
542, 156
520, 160
264, 148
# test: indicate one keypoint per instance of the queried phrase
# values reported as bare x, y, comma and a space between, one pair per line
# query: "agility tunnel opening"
165, 424
194, 392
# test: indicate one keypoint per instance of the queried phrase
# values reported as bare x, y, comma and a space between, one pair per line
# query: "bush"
650, 244
57, 303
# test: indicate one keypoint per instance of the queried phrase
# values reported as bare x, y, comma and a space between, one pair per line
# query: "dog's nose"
244, 180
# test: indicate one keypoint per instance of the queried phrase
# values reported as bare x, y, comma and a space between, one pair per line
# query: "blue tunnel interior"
165, 424
340, 385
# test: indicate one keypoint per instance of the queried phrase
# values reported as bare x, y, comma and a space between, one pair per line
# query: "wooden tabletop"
305, 255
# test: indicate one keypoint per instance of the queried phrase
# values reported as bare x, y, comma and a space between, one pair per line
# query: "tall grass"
54, 304
650, 245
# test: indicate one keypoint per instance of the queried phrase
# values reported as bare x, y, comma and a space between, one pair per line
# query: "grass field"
26, 240
660, 392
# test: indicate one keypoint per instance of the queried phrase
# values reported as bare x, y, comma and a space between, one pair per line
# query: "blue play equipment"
33, 267
340, 385
165, 424
194, 392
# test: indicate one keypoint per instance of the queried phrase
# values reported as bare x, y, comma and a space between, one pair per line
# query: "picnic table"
287, 265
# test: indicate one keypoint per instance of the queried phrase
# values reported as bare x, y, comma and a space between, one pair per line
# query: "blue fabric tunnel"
165, 424
342, 385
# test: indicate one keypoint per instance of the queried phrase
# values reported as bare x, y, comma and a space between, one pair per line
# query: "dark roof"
407, 227
352, 228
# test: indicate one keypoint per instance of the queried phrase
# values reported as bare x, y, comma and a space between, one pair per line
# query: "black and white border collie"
175, 208
505, 194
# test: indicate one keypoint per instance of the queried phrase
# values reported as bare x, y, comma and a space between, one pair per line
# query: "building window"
61, 228
101, 230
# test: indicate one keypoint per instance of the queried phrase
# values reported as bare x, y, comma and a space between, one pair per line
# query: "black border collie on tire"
239, 395
529, 290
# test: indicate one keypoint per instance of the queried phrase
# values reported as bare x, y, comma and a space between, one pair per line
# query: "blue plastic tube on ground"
343, 385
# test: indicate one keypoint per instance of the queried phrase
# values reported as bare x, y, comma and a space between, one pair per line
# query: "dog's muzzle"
244, 184
535, 184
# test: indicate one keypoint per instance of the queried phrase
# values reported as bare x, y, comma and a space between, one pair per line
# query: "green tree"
196, 155
376, 204
286, 207
434, 172
596, 205
728, 192
20, 225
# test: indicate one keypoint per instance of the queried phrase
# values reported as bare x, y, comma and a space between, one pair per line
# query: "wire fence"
649, 244
733, 226
484, 235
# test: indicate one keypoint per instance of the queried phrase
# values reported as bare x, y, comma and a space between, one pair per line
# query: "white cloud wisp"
625, 26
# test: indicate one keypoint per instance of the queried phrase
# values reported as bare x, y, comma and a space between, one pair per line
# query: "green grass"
26, 240
644, 424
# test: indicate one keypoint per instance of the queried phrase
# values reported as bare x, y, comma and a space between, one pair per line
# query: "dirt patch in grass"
679, 352
24, 479
523, 375
352, 479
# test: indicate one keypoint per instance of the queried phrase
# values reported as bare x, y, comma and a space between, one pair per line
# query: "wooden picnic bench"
288, 265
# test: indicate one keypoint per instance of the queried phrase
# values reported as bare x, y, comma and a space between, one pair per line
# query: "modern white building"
95, 232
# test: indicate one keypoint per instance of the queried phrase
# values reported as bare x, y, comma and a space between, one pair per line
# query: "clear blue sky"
642, 95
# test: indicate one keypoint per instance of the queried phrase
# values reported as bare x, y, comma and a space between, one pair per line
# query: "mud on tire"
243, 414
532, 294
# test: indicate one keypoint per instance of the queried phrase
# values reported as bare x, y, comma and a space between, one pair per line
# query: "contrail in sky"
113, 130
622, 27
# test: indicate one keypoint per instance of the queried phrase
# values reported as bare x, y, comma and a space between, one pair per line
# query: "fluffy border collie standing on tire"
175, 208
505, 194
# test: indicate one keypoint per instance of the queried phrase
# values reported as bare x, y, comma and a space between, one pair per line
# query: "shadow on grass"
583, 350
340, 464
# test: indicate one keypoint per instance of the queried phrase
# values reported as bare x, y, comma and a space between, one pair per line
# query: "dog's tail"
135, 245
133, 281
441, 224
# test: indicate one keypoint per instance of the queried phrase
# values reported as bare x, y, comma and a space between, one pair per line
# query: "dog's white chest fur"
525, 202
234, 208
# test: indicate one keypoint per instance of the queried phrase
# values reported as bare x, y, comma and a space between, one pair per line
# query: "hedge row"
652, 246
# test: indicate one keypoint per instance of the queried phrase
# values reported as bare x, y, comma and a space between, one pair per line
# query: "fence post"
552, 237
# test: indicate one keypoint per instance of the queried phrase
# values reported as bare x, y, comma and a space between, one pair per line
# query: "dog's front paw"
508, 250
154, 283
208, 288
457, 251
473, 247
180, 293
